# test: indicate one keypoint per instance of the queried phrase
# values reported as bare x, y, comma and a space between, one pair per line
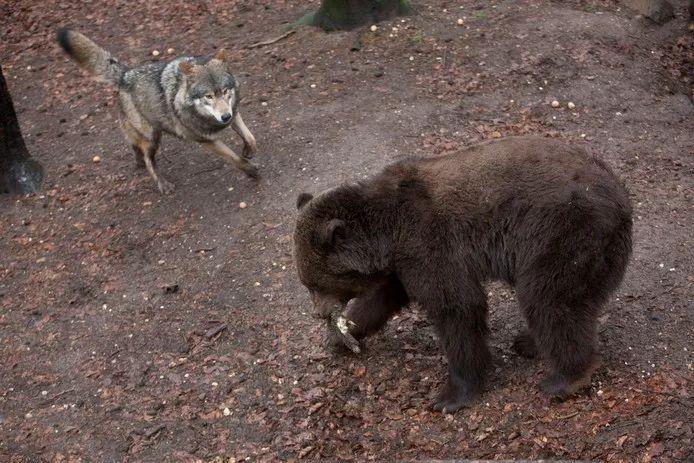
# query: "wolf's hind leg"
139, 156
135, 138
149, 148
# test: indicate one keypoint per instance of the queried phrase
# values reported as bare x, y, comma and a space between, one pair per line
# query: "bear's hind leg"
567, 337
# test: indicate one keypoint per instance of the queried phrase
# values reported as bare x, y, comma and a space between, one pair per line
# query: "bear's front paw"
452, 401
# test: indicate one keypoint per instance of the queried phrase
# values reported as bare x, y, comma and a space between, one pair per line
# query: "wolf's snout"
226, 117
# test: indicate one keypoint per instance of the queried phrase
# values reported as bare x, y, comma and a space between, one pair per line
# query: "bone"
339, 325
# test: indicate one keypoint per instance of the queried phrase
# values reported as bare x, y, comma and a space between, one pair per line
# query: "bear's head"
331, 256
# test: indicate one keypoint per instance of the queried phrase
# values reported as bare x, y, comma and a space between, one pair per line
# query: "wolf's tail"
91, 56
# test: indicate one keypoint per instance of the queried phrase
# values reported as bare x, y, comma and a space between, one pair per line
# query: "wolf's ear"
303, 199
221, 55
334, 230
186, 67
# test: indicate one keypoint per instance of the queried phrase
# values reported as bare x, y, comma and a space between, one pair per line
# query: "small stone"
374, 28
243, 205
170, 51
44, 393
155, 52
461, 22
226, 411
571, 105
555, 104
96, 159
313, 85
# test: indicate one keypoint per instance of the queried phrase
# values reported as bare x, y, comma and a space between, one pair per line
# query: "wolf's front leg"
223, 150
249, 144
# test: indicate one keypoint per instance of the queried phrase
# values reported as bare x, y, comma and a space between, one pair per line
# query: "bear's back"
539, 171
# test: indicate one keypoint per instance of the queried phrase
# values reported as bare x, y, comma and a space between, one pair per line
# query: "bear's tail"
91, 56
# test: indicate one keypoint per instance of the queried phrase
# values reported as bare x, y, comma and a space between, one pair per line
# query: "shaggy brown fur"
539, 214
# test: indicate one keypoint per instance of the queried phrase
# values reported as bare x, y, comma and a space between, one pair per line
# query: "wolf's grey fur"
190, 97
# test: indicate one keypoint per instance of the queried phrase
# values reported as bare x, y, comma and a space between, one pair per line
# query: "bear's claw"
451, 404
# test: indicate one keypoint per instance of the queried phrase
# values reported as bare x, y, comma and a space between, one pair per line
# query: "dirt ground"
141, 327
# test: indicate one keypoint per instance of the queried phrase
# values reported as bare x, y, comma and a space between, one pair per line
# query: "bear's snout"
324, 306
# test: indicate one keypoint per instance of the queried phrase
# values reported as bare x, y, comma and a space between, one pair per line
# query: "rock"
555, 104
659, 11
571, 105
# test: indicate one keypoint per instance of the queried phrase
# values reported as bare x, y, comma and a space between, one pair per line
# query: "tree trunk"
18, 172
348, 14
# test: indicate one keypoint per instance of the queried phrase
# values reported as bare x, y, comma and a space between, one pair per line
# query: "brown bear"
542, 215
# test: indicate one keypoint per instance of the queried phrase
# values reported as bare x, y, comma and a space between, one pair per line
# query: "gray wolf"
192, 98
543, 216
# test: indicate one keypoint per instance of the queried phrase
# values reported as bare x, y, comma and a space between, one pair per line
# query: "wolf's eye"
209, 97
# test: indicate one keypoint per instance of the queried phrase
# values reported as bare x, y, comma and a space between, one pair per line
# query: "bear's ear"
334, 230
303, 199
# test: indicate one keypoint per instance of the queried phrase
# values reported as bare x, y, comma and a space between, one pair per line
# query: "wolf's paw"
249, 149
250, 169
165, 186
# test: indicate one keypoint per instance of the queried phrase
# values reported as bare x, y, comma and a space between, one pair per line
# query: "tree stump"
18, 172
348, 14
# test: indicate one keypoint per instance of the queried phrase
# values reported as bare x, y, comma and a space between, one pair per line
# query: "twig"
154, 431
566, 417
214, 331
59, 394
271, 41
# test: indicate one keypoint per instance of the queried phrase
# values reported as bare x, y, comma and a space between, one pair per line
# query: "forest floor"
142, 327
